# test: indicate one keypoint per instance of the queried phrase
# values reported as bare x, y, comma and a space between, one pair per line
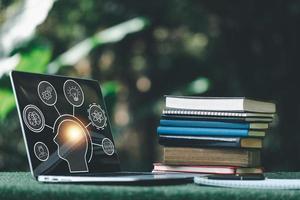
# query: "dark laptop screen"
65, 125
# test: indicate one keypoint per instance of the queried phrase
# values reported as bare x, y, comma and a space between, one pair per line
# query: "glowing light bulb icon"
74, 92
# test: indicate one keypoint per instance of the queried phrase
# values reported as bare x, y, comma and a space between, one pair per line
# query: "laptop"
67, 132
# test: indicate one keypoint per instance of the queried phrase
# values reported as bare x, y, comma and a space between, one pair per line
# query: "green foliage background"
211, 48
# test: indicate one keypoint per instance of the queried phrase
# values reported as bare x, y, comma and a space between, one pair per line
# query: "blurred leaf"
36, 59
110, 88
7, 103
109, 35
198, 86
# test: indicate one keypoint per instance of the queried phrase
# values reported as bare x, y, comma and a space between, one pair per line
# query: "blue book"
168, 130
212, 124
209, 141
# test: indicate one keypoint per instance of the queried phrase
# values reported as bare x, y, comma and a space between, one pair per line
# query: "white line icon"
108, 147
72, 143
47, 93
41, 151
33, 118
97, 116
71, 135
73, 93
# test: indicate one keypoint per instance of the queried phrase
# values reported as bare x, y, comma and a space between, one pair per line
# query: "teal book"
196, 131
212, 124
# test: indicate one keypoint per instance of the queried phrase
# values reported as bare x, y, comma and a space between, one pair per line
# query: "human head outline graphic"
71, 139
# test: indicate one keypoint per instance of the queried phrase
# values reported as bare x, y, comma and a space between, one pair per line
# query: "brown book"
159, 167
201, 156
251, 143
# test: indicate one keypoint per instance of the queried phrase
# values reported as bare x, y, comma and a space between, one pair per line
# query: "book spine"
254, 157
205, 103
174, 142
207, 118
169, 111
204, 124
164, 130
200, 113
197, 156
206, 170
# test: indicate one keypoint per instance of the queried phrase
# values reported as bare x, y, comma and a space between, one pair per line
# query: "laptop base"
143, 178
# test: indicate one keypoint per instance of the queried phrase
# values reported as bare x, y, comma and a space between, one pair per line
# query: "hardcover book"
187, 131
201, 156
172, 111
209, 142
240, 104
216, 118
212, 124
160, 167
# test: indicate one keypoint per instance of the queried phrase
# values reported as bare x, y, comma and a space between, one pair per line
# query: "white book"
169, 111
238, 104
279, 184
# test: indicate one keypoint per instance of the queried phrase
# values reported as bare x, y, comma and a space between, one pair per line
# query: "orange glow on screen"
73, 133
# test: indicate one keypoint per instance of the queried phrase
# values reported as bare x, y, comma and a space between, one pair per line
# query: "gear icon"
97, 116
47, 93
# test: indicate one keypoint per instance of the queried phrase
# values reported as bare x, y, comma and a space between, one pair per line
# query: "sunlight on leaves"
110, 88
7, 103
35, 60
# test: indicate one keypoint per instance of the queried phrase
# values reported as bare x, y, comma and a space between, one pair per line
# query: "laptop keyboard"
110, 174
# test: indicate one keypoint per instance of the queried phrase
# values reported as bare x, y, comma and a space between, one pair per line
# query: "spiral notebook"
280, 184
172, 111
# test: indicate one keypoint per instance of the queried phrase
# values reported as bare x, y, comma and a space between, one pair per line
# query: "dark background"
203, 48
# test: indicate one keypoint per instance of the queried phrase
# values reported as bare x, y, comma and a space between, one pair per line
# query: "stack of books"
213, 135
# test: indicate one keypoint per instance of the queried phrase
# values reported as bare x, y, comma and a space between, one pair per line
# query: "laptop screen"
65, 125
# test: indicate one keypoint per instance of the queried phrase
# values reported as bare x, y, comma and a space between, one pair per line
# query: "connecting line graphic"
97, 144
88, 125
49, 126
48, 95
57, 110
